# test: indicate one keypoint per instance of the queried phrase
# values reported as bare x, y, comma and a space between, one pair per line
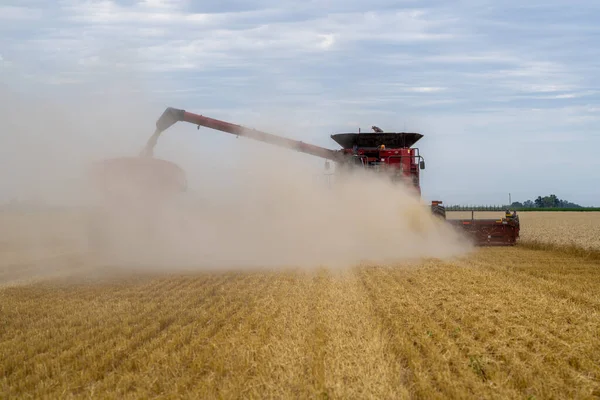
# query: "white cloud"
151, 13
425, 89
160, 4
208, 43
327, 41
563, 96
475, 57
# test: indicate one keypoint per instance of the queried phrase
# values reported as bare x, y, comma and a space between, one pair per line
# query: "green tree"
539, 202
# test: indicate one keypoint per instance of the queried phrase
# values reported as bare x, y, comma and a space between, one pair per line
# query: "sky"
506, 93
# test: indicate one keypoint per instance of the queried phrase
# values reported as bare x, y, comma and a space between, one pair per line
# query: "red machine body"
490, 232
388, 152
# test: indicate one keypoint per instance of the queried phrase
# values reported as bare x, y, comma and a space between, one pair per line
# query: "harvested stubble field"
498, 323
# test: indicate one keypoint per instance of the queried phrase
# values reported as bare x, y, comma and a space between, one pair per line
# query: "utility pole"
509, 200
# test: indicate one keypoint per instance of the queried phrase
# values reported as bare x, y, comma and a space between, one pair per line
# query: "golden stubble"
499, 323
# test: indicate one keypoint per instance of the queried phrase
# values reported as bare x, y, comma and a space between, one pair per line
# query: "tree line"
550, 201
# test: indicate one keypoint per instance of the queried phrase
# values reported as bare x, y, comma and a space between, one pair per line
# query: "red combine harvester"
378, 151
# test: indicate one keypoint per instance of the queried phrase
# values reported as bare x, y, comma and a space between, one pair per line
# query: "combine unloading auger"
391, 152
172, 115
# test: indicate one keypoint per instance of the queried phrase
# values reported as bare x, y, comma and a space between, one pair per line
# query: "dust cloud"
275, 212
265, 208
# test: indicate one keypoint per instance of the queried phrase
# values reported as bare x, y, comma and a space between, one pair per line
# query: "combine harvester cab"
490, 231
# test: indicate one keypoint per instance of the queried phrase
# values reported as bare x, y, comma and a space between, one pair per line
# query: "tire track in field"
238, 345
356, 354
382, 314
316, 337
265, 353
284, 363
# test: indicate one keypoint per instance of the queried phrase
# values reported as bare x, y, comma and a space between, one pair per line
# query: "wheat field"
497, 323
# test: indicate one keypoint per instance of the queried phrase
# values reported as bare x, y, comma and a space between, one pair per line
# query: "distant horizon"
32, 203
